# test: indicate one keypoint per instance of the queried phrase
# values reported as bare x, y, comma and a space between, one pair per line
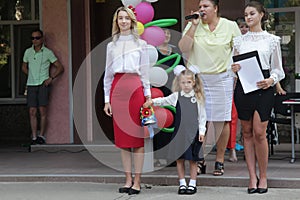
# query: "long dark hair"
261, 9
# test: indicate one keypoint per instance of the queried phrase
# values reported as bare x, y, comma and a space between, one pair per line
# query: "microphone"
194, 16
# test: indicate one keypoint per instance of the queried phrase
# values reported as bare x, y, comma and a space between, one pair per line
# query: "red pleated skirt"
127, 97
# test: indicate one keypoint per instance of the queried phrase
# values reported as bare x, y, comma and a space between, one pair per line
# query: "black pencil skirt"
260, 100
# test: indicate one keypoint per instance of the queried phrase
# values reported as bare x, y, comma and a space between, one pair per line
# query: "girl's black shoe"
182, 189
191, 190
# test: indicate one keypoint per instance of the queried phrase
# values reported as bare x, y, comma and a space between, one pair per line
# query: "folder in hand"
251, 70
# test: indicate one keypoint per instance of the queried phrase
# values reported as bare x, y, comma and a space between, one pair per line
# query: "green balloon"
175, 55
172, 108
161, 23
168, 130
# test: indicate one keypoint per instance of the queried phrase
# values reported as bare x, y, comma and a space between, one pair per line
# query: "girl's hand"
148, 103
265, 84
235, 67
201, 138
107, 109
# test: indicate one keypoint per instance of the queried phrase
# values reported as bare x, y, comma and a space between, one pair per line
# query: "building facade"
77, 31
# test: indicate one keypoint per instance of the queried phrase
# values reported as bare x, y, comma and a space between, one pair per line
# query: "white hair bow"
178, 69
194, 69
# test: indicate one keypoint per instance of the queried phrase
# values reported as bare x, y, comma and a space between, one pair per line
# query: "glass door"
285, 23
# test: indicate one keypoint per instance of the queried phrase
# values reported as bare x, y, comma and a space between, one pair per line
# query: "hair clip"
178, 69
194, 69
132, 8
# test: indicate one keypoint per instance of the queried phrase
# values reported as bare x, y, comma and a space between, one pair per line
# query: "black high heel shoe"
125, 189
262, 190
201, 167
254, 190
133, 191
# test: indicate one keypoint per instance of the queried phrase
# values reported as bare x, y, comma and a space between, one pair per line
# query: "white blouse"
172, 100
126, 55
268, 47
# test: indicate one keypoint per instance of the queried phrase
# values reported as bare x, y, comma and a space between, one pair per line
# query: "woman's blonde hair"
198, 87
116, 28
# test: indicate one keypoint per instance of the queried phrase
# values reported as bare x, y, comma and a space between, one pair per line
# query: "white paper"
249, 74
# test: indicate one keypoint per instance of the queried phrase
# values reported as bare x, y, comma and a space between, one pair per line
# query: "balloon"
134, 3
144, 12
162, 23
158, 76
171, 108
140, 28
153, 55
153, 35
168, 130
164, 117
175, 55
155, 92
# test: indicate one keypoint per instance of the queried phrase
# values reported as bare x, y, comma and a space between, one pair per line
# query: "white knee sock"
192, 183
182, 182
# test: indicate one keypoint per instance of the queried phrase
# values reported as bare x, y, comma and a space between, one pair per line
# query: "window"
281, 3
17, 19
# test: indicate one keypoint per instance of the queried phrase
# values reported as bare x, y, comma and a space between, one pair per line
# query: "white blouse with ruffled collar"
268, 47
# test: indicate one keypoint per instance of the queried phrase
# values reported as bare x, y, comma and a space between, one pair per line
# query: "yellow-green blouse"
212, 50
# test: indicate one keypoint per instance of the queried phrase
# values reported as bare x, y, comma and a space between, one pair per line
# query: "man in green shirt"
36, 65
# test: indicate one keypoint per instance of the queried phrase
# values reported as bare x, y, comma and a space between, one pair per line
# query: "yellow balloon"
140, 28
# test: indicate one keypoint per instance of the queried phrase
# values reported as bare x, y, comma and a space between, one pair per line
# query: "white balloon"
134, 3
151, 1
153, 54
158, 76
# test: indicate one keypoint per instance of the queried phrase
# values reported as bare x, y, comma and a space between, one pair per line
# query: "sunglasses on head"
36, 38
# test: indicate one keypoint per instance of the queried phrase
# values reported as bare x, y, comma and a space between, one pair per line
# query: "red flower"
146, 112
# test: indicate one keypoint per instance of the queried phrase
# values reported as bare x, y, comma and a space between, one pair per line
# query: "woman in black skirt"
254, 108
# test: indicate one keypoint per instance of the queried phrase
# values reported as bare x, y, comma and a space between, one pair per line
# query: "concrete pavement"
68, 173
100, 191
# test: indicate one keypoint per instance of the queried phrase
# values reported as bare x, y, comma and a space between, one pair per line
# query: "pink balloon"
153, 35
144, 12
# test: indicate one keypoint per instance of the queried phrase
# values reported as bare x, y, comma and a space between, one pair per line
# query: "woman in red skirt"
126, 88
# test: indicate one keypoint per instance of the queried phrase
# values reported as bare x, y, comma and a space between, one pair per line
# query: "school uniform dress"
126, 83
268, 47
162, 139
190, 120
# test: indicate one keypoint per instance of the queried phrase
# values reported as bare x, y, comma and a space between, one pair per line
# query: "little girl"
186, 144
